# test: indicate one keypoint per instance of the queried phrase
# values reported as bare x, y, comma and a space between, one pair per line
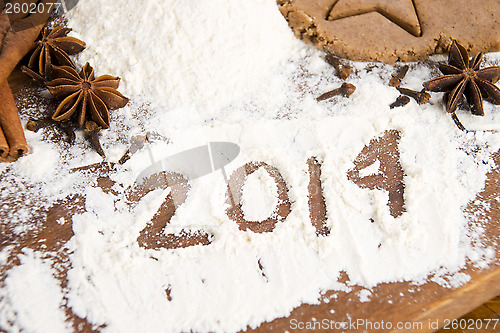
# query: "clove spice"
395, 80
36, 125
402, 100
343, 71
346, 90
458, 122
421, 97
92, 132
65, 127
137, 143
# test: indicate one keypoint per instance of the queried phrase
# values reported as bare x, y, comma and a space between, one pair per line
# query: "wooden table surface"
404, 302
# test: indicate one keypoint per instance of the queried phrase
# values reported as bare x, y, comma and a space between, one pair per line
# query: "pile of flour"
217, 70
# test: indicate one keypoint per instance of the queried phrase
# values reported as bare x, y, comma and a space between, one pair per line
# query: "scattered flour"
216, 70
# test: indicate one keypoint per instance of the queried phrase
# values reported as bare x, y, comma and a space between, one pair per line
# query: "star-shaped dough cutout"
400, 12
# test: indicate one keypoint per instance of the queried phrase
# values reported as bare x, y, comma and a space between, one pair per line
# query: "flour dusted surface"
208, 71
186, 52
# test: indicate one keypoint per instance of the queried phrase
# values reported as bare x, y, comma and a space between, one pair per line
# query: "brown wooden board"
426, 307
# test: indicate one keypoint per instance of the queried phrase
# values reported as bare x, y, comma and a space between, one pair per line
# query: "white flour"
372, 169
217, 70
259, 196
188, 53
42, 310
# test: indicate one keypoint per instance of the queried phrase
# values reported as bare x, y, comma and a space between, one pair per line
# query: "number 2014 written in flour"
382, 152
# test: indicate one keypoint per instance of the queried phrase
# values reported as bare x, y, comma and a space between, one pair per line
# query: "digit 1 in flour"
317, 205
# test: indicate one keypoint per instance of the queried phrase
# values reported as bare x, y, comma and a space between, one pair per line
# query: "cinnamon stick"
19, 39
17, 35
4, 147
11, 123
15, 15
6, 20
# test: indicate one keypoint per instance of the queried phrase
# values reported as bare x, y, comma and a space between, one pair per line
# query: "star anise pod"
54, 48
84, 96
465, 77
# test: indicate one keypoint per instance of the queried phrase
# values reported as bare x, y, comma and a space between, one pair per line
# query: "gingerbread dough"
388, 31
